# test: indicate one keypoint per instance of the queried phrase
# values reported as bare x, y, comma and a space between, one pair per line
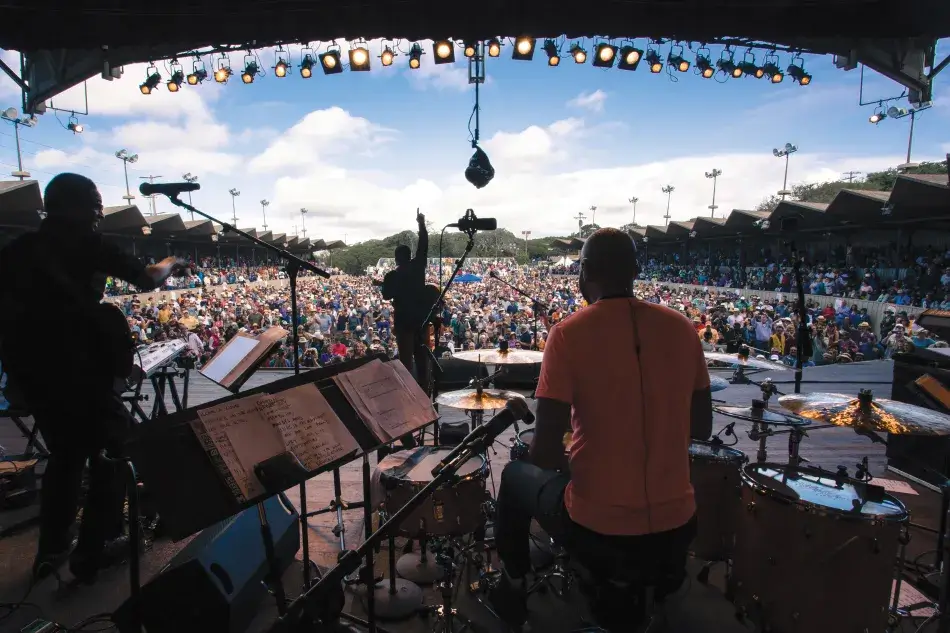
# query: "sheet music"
229, 357
385, 398
217, 422
307, 425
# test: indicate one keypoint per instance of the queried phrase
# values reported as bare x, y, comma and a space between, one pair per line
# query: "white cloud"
534, 147
593, 101
439, 76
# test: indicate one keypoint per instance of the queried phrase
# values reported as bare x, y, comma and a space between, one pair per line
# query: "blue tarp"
468, 278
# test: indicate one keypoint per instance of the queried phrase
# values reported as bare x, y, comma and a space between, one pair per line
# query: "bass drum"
814, 552
715, 471
453, 510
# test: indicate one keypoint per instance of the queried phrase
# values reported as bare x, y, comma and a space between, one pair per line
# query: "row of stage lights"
606, 55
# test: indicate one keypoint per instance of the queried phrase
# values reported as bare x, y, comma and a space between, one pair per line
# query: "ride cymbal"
754, 363
865, 413
499, 357
759, 413
469, 400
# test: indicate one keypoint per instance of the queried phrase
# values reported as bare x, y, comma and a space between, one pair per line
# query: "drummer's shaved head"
608, 263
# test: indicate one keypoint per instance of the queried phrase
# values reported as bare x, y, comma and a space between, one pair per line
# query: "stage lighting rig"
727, 65
678, 62
554, 55
604, 55
494, 47
415, 56
797, 72
524, 49
444, 52
223, 72
330, 62
653, 59
387, 56
772, 71
74, 125
578, 53
705, 67
250, 70
470, 48
630, 57
174, 83
197, 75
152, 79
306, 66
359, 57
750, 68
877, 117
281, 67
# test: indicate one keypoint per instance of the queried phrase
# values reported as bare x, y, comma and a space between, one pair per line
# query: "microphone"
486, 434
167, 188
493, 273
469, 223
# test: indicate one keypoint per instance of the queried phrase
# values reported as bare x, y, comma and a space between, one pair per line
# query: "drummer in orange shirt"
632, 408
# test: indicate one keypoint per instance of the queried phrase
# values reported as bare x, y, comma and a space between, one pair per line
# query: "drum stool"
558, 577
617, 600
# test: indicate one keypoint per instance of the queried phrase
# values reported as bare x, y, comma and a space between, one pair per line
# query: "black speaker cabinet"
215, 584
926, 458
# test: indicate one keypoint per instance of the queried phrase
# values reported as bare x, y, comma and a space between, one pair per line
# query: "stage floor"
702, 608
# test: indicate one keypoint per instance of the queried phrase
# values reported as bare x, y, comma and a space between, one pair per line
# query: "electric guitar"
430, 295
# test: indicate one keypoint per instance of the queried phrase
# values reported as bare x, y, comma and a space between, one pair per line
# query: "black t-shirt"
405, 286
52, 277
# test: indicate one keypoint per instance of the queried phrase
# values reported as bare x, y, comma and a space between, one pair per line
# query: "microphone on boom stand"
167, 188
469, 223
514, 410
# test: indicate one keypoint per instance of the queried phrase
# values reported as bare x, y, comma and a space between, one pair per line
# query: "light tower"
234, 194
190, 179
303, 222
714, 174
785, 152
593, 215
11, 115
264, 205
127, 158
668, 190
634, 200
526, 234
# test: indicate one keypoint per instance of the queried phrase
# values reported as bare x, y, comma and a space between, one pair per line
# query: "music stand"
190, 492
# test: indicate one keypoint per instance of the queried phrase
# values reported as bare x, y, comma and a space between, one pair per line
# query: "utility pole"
526, 235
11, 115
151, 198
634, 200
264, 205
234, 194
714, 174
849, 176
192, 179
303, 222
593, 216
127, 158
668, 190
785, 152
580, 223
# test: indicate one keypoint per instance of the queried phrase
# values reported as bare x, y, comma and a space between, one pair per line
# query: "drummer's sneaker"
509, 599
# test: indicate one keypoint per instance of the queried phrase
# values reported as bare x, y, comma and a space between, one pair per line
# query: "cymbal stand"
761, 432
447, 618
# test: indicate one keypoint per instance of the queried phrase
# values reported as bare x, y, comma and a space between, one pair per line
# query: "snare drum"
810, 555
715, 473
453, 510
521, 444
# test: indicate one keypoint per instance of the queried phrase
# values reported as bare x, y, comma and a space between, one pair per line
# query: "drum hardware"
715, 476
558, 578
397, 598
417, 566
447, 618
867, 414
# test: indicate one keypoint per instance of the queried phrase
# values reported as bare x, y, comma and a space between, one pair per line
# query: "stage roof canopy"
69, 42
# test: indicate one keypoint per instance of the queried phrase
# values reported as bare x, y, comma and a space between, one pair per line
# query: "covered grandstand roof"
125, 219
20, 203
166, 224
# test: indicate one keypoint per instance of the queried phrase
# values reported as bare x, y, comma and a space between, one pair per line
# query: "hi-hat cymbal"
499, 357
754, 363
866, 413
469, 400
717, 384
761, 414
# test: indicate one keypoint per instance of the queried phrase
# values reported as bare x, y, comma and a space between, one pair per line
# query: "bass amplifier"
216, 583
925, 458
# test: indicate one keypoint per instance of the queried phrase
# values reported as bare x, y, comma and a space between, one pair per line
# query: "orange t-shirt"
629, 471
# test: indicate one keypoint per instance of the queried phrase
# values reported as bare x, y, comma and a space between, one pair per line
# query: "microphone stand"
294, 266
804, 341
535, 304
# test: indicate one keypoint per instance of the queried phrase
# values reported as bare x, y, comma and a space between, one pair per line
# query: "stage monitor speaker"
925, 458
456, 374
216, 583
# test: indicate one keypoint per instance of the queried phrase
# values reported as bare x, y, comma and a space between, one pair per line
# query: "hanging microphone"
514, 410
469, 223
167, 188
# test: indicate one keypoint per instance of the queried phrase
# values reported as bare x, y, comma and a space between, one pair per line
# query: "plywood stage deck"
703, 608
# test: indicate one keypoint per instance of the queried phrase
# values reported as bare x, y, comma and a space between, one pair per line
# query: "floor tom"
715, 473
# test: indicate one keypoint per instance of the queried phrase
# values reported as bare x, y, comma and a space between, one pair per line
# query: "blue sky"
361, 151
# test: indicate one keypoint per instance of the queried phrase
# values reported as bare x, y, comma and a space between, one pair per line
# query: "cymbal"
469, 400
761, 414
866, 413
717, 384
754, 363
498, 357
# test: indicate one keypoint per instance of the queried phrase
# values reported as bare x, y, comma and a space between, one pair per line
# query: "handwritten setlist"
239, 434
386, 397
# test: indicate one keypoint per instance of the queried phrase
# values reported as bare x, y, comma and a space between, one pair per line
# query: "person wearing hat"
59, 270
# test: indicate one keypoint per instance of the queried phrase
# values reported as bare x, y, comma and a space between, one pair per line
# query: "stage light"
197, 77
280, 69
387, 56
222, 74
579, 54
470, 49
604, 55
415, 56
727, 66
877, 117
330, 62
74, 125
151, 82
630, 57
306, 66
494, 47
250, 70
653, 58
797, 73
524, 49
174, 84
359, 58
749, 69
706, 70
554, 56
678, 62
774, 72
444, 52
